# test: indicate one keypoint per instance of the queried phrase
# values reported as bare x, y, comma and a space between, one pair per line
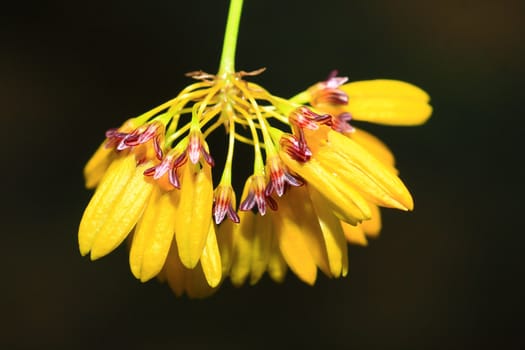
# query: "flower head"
317, 182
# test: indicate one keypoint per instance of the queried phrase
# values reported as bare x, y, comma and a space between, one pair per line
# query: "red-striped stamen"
196, 150
223, 204
279, 178
328, 92
257, 196
169, 165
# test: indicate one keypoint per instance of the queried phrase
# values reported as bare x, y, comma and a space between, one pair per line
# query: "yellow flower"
317, 182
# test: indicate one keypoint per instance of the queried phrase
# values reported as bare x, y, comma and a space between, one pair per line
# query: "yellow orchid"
317, 182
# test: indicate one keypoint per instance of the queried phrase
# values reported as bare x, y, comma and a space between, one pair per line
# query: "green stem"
227, 65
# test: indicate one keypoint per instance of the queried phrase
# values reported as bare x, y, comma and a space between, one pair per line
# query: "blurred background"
449, 275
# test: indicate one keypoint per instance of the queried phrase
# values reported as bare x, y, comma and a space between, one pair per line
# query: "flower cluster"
317, 182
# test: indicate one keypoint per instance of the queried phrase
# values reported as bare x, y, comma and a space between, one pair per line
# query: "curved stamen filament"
247, 141
258, 161
141, 119
178, 109
213, 112
226, 175
272, 113
177, 134
262, 122
210, 113
212, 92
241, 101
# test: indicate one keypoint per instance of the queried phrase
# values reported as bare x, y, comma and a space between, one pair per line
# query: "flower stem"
227, 65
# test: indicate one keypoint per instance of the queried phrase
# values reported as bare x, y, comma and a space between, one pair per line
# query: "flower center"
176, 132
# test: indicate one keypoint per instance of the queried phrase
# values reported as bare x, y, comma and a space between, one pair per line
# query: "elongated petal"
389, 102
295, 251
225, 242
276, 264
333, 235
153, 235
375, 146
175, 270
186, 281
350, 161
97, 165
242, 248
343, 198
196, 284
194, 213
372, 227
311, 230
261, 246
354, 234
123, 215
299, 234
104, 199
211, 259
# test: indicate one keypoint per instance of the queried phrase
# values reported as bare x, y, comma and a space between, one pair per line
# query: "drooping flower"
317, 181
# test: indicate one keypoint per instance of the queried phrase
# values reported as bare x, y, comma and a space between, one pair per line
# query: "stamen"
280, 178
207, 157
124, 140
305, 118
333, 81
196, 149
341, 123
158, 148
173, 178
297, 149
223, 204
168, 165
328, 92
256, 195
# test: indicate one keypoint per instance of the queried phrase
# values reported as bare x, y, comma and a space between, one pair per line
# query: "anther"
280, 178
341, 123
304, 118
223, 204
328, 92
296, 148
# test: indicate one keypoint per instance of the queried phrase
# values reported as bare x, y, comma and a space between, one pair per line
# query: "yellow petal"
354, 234
225, 242
105, 197
194, 213
276, 264
242, 248
261, 246
102, 158
196, 283
123, 215
182, 280
97, 165
343, 198
389, 102
211, 259
153, 235
375, 146
161, 276
345, 158
333, 235
175, 270
296, 253
372, 227
299, 234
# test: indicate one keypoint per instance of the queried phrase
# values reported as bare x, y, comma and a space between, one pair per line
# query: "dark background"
449, 275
